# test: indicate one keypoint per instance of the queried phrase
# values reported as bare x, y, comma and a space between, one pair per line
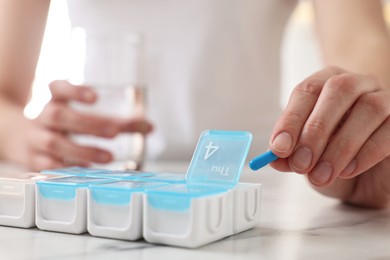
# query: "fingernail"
321, 174
301, 159
283, 142
109, 131
104, 157
150, 128
88, 95
145, 128
349, 169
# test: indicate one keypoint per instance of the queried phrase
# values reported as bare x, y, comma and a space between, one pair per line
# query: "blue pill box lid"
126, 174
119, 192
219, 158
146, 176
178, 197
165, 177
80, 171
65, 187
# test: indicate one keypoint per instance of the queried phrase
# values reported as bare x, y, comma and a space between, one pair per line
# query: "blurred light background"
299, 55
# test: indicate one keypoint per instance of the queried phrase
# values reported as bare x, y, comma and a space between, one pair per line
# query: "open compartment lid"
219, 158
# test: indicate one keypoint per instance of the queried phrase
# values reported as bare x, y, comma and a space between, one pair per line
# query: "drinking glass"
112, 65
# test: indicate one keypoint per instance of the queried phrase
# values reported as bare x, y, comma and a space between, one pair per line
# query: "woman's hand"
46, 138
336, 130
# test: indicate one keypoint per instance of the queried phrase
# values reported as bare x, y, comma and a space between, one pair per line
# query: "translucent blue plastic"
119, 193
215, 167
145, 176
65, 188
165, 177
126, 174
219, 158
80, 171
178, 197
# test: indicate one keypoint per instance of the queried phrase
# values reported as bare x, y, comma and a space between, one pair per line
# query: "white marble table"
297, 223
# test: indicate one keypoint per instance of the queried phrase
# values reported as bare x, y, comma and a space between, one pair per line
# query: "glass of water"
112, 65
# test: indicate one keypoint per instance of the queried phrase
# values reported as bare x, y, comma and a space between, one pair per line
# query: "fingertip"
301, 160
110, 131
148, 128
64, 90
44, 162
321, 174
144, 127
87, 95
281, 165
57, 84
136, 125
282, 144
348, 171
104, 157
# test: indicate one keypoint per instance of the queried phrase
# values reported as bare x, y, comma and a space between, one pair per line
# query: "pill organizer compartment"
200, 211
187, 216
17, 198
62, 203
115, 209
246, 206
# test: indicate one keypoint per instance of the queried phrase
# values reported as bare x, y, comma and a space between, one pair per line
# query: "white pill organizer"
62, 203
115, 209
205, 205
209, 206
17, 198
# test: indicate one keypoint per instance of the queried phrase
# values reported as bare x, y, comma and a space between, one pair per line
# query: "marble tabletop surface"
297, 223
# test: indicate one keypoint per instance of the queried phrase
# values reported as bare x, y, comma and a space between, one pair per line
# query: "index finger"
62, 90
302, 101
